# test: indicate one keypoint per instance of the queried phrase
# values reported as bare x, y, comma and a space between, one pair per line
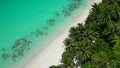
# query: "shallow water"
24, 23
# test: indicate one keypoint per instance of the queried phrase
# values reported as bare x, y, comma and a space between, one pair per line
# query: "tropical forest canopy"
96, 43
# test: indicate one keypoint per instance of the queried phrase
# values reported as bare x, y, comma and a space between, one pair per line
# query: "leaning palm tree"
82, 54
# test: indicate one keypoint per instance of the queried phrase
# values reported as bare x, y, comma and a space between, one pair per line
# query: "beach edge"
51, 54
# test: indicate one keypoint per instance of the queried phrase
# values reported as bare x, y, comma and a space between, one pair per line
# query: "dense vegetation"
95, 44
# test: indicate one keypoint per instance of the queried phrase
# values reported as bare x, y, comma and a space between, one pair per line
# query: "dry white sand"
51, 55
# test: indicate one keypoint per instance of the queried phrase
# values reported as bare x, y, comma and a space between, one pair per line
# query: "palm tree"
90, 43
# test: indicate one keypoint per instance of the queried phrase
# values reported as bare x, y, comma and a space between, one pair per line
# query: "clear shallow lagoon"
25, 23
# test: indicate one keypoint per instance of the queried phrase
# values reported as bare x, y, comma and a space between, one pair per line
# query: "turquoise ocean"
26, 23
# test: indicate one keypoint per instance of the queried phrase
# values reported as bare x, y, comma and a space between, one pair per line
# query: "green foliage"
55, 66
96, 44
99, 45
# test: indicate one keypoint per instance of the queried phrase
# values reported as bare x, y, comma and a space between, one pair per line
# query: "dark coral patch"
4, 56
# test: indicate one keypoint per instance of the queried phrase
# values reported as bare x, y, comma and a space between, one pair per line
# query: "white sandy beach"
51, 55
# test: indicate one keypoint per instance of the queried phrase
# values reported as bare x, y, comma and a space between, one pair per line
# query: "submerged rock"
51, 22
14, 57
4, 56
57, 14
66, 12
38, 32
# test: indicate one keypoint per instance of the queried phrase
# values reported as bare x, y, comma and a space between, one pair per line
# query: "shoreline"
51, 54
